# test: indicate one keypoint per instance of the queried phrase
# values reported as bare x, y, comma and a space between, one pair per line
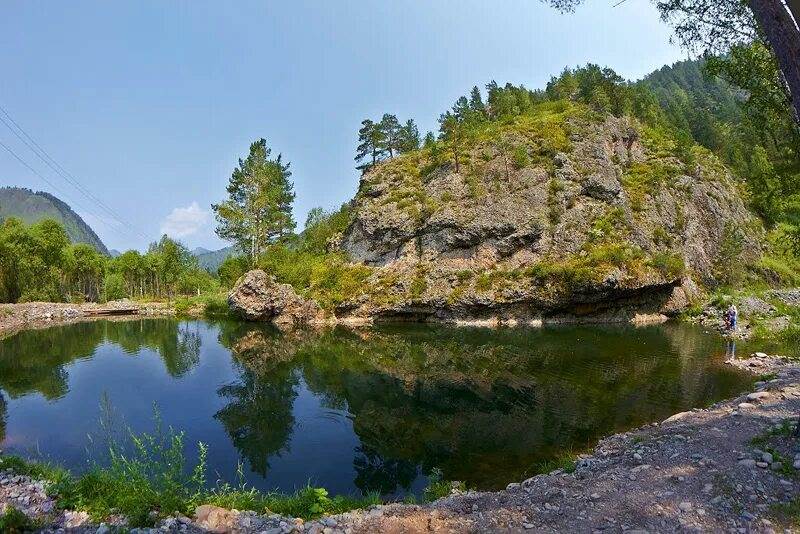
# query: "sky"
147, 105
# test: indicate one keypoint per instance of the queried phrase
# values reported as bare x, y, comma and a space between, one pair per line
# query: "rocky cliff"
562, 213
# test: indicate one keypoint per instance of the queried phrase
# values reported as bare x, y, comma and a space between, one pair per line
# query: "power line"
51, 184
42, 154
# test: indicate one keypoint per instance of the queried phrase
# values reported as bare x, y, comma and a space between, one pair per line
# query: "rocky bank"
29, 315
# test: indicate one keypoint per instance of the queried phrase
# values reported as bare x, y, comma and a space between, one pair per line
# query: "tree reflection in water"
58, 347
485, 406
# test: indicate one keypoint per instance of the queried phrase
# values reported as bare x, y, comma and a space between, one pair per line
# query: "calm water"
373, 410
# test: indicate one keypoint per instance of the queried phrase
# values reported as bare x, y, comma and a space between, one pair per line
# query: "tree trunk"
783, 36
794, 7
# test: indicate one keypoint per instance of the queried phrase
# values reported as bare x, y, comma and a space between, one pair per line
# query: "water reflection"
476, 403
37, 360
369, 410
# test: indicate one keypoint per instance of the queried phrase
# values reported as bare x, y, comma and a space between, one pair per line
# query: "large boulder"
258, 297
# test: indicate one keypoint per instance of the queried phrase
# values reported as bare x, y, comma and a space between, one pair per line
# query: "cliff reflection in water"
479, 404
371, 410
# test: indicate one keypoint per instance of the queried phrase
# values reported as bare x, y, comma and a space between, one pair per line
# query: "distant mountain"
210, 260
33, 206
114, 253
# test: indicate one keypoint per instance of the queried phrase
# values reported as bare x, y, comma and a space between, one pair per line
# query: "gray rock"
257, 297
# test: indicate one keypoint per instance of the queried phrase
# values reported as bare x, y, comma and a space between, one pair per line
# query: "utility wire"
51, 184
42, 154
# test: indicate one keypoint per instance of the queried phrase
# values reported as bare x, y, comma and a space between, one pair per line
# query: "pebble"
747, 462
767, 457
685, 506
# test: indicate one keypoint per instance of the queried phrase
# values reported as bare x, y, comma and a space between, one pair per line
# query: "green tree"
391, 134
476, 102
371, 145
409, 136
451, 128
259, 206
717, 26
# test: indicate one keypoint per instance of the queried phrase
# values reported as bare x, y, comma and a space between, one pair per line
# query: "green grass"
787, 514
564, 461
212, 305
439, 488
151, 479
14, 521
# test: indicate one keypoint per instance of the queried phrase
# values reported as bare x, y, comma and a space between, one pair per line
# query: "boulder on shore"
256, 296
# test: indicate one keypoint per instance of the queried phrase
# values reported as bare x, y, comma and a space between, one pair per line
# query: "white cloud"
183, 222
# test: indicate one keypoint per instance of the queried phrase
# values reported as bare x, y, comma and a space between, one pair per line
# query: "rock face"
257, 297
566, 216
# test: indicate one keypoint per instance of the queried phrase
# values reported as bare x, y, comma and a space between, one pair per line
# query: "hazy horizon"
149, 105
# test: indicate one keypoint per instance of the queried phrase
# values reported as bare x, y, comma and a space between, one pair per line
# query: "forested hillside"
752, 133
32, 207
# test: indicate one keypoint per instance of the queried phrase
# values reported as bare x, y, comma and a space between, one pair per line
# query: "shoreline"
695, 471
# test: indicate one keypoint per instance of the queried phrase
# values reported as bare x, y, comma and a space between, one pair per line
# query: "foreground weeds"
150, 479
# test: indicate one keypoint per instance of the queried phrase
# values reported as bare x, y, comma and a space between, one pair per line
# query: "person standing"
733, 316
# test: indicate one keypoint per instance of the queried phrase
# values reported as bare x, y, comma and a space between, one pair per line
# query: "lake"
352, 410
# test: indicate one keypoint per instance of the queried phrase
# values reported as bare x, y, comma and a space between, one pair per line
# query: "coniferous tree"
392, 133
451, 128
409, 136
371, 145
259, 206
476, 102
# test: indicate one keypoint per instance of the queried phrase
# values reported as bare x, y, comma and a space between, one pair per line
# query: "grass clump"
565, 462
439, 488
670, 265
13, 521
646, 178
151, 478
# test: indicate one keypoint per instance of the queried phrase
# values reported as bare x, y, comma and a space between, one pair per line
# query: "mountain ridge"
33, 206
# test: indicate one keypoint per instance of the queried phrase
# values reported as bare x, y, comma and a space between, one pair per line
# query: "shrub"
671, 266
232, 269
521, 158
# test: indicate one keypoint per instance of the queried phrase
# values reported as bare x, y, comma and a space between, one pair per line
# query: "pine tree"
409, 136
259, 206
391, 130
371, 145
476, 102
451, 128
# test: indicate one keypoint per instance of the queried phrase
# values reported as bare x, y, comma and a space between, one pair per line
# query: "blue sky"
149, 103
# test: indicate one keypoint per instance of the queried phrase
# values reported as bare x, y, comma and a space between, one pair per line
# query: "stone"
776, 466
766, 457
747, 462
216, 519
796, 464
685, 506
762, 465
758, 396
256, 296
